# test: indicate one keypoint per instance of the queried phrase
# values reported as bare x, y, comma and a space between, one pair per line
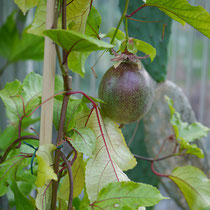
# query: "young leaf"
109, 157
145, 48
75, 41
84, 141
21, 201
127, 194
25, 5
78, 172
45, 171
182, 11
186, 133
194, 185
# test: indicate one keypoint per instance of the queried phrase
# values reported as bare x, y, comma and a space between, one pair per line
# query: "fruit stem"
126, 29
120, 21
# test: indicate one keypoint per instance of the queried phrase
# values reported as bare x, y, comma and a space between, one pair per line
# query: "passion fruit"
127, 91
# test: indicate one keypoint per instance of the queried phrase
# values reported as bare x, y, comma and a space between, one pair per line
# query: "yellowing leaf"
25, 5
78, 172
109, 157
45, 171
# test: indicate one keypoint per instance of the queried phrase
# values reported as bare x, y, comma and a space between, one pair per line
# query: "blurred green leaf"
194, 185
21, 201
8, 171
15, 47
186, 133
182, 11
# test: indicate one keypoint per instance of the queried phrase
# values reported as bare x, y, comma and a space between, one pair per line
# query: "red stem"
134, 12
157, 173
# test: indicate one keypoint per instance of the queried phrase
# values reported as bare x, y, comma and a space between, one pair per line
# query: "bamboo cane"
48, 79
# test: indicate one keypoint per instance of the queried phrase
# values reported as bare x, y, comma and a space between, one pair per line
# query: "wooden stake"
48, 79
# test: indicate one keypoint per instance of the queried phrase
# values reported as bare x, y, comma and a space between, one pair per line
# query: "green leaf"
77, 11
10, 96
21, 201
8, 170
84, 141
45, 171
18, 97
182, 11
15, 47
75, 41
194, 185
44, 197
9, 36
78, 172
119, 38
76, 62
128, 194
109, 159
146, 48
39, 23
25, 5
186, 133
93, 23
32, 91
74, 107
28, 47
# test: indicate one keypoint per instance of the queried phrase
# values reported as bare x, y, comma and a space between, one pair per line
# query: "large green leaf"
186, 133
84, 141
45, 171
182, 11
15, 47
109, 157
194, 185
25, 5
78, 172
75, 41
127, 194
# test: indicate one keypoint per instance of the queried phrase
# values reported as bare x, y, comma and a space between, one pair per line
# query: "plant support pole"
48, 79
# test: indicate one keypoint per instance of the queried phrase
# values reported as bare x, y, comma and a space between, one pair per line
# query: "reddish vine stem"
67, 87
157, 173
68, 165
153, 159
11, 146
135, 11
